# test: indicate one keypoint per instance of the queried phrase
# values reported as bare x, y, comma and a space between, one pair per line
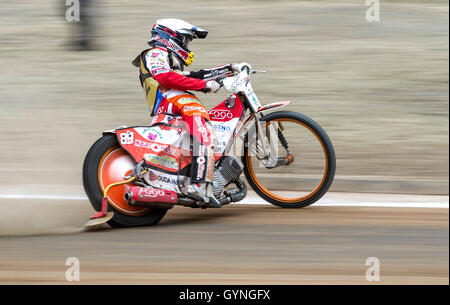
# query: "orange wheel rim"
271, 195
114, 165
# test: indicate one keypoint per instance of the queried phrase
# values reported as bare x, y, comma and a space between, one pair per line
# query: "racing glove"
211, 86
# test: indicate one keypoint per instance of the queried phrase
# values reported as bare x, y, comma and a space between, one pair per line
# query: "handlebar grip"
220, 79
246, 68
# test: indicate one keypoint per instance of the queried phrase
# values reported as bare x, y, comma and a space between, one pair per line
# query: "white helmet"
175, 35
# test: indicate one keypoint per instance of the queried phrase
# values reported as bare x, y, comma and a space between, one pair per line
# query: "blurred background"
379, 89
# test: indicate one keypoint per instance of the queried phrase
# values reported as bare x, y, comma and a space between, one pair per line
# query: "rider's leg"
202, 168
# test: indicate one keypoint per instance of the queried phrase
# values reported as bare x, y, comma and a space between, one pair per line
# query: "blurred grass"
380, 90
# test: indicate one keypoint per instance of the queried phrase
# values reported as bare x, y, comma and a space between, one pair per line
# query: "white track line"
340, 201
333, 202
51, 197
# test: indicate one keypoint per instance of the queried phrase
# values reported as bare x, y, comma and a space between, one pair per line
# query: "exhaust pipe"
137, 195
159, 198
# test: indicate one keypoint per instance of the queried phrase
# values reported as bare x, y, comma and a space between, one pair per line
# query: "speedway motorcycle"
286, 158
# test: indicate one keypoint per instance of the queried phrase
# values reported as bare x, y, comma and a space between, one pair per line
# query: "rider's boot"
203, 191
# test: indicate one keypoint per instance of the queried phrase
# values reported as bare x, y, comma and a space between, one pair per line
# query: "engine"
229, 171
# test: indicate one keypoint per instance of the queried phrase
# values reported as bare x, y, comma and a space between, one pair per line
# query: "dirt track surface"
240, 244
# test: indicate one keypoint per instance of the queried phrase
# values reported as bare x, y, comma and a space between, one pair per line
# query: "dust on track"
19, 217
238, 244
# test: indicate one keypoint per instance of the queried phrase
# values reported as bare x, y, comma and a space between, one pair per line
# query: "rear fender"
112, 131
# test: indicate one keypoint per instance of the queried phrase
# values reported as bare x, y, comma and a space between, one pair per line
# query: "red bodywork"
221, 113
165, 156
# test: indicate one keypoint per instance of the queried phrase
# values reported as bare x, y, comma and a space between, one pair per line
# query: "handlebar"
249, 71
220, 79
257, 71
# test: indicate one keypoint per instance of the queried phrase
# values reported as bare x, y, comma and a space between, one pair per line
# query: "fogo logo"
217, 114
148, 192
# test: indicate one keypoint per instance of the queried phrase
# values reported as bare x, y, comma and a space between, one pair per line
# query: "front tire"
326, 176
106, 157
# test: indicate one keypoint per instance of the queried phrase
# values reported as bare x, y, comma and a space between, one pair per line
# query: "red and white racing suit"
165, 69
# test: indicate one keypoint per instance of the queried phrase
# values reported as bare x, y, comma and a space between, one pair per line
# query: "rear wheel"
105, 163
305, 155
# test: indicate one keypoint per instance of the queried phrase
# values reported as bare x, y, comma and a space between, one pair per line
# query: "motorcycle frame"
240, 85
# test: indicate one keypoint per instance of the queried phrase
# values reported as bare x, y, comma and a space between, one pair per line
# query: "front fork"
268, 149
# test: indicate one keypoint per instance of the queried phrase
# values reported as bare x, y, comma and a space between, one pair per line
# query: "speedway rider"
165, 84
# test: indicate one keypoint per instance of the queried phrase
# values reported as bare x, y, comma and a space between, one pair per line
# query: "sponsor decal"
156, 64
166, 181
169, 180
220, 114
162, 61
150, 133
158, 71
126, 138
186, 100
253, 99
203, 131
221, 128
173, 46
166, 161
151, 136
152, 176
144, 129
213, 73
238, 82
143, 144
155, 54
201, 151
156, 147
201, 169
194, 108
161, 109
221, 146
150, 192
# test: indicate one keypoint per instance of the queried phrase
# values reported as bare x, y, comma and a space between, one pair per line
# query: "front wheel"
295, 166
106, 163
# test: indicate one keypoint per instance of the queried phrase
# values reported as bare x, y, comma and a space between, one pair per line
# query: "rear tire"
91, 166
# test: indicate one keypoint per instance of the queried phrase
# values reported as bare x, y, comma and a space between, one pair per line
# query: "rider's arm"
212, 73
179, 82
157, 62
